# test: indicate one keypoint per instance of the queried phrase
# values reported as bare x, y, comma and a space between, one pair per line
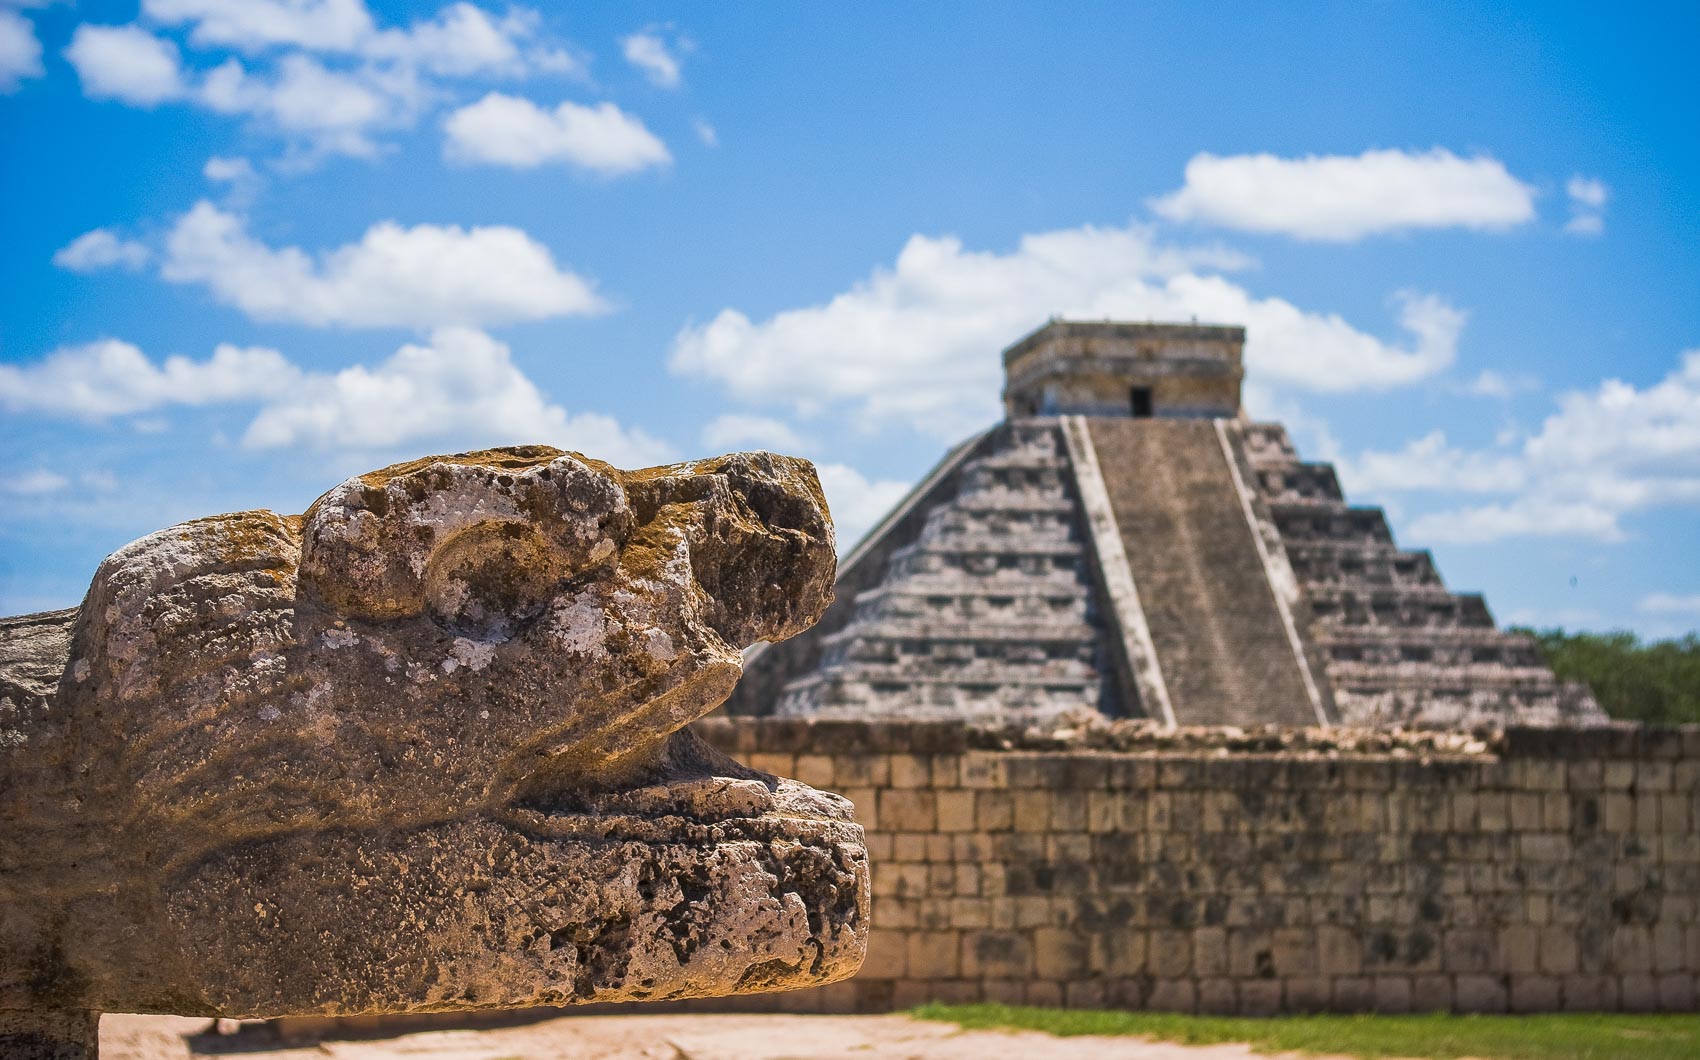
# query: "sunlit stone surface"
419, 749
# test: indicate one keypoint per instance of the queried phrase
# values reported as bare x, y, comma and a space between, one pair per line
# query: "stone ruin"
420, 749
1126, 543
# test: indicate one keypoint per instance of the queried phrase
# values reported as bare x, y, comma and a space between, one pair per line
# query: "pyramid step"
1403, 607
1298, 483
1330, 565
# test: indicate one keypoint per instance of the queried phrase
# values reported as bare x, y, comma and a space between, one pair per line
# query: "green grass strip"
1564, 1036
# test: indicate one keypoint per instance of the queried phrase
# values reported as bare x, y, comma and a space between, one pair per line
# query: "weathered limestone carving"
421, 748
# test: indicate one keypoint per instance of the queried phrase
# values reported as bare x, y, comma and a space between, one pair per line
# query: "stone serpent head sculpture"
421, 748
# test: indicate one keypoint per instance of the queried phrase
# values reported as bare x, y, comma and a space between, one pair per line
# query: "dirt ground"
640, 1037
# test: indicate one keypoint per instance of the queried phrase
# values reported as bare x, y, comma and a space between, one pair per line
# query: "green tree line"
1657, 682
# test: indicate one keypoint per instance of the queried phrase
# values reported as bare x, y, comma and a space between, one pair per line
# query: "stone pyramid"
1127, 542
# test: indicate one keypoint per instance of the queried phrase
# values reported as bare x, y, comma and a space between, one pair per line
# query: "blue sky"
252, 248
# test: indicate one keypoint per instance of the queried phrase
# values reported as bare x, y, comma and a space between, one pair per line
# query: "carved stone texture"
421, 748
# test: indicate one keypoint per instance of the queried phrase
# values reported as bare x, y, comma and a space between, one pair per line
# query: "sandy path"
670, 1037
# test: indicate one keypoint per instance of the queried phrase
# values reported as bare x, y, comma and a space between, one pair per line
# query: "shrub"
1657, 682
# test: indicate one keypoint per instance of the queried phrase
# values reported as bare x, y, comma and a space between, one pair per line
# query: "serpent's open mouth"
695, 793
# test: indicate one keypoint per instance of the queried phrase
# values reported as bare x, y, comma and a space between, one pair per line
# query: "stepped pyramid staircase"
1214, 620
1126, 543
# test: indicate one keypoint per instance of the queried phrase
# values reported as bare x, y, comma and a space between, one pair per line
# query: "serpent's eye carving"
492, 578
481, 548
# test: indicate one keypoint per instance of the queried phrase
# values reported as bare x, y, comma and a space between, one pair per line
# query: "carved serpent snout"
749, 516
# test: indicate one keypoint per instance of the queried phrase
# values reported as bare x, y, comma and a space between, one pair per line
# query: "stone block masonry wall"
1205, 871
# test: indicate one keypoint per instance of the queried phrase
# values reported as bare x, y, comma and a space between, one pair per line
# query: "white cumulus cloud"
737, 431
1430, 463
461, 387
1492, 384
242, 182
1588, 197
34, 483
1671, 604
511, 131
395, 276
464, 41
1346, 197
917, 342
335, 112
1586, 224
229, 170
461, 40
322, 75
458, 390
101, 248
110, 377
255, 25
20, 51
648, 52
1587, 191
126, 63
1605, 454
1527, 516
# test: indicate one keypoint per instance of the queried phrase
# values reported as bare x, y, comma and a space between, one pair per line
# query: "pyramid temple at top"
1126, 541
